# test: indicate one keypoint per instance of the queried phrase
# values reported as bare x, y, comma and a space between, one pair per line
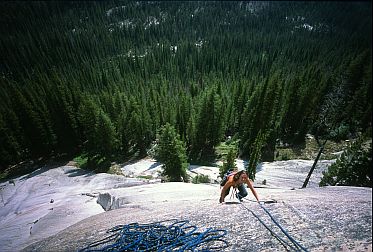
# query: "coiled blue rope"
168, 235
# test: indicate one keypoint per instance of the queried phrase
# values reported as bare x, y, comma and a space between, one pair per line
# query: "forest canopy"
102, 78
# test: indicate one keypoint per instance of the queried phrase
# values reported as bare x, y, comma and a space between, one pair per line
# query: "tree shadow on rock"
78, 172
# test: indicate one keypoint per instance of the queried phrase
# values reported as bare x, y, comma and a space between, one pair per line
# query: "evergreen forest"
99, 79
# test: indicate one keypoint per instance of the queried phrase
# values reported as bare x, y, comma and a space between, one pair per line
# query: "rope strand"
298, 246
283, 230
274, 234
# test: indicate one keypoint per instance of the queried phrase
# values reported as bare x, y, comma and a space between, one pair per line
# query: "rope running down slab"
296, 246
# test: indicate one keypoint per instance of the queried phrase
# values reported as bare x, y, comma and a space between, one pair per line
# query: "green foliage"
139, 127
98, 164
145, 177
209, 125
74, 72
340, 133
95, 163
222, 150
81, 160
10, 151
230, 163
115, 169
256, 153
353, 168
3, 175
105, 139
309, 150
284, 154
200, 178
172, 153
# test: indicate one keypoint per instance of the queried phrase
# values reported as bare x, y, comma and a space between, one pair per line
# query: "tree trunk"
314, 163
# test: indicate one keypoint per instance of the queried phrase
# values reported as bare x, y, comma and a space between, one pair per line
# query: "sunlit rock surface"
66, 208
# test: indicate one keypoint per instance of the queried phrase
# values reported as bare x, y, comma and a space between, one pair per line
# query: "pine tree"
353, 168
105, 136
230, 163
88, 116
209, 125
233, 71
139, 127
255, 155
10, 149
172, 153
38, 139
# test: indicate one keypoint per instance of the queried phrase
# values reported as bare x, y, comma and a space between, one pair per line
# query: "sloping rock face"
320, 219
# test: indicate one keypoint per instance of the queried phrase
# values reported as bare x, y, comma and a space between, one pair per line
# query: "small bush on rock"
201, 178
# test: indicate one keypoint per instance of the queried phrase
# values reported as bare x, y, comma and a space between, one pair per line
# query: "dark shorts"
242, 192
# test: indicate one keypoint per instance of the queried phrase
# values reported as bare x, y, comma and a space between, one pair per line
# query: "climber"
237, 180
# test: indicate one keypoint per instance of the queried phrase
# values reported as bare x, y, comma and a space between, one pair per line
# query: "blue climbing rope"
274, 234
296, 245
168, 235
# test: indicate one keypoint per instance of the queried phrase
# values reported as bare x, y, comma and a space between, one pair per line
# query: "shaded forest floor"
309, 149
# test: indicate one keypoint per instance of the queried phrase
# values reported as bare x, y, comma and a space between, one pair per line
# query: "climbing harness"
296, 246
168, 235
